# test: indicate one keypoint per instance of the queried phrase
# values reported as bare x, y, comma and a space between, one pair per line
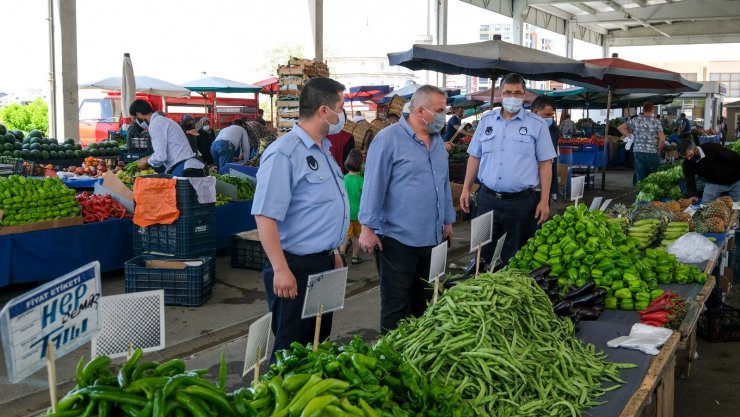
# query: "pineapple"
684, 203
656, 204
673, 207
727, 201
681, 217
618, 209
716, 209
715, 225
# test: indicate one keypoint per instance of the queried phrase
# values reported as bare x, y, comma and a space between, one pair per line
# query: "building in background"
721, 81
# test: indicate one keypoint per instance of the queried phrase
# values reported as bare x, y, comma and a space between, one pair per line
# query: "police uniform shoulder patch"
523, 130
312, 163
489, 130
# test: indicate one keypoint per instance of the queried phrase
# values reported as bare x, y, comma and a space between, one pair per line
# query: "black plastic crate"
191, 286
246, 253
131, 156
190, 235
720, 324
139, 144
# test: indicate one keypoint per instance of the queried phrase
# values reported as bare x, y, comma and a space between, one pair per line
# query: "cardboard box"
725, 280
457, 192
34, 227
173, 264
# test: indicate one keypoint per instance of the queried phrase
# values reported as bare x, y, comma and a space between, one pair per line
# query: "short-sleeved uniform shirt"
510, 150
300, 186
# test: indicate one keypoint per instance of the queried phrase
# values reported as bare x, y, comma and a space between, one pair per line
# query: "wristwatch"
335, 252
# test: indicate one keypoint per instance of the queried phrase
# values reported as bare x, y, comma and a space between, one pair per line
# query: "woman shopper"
649, 139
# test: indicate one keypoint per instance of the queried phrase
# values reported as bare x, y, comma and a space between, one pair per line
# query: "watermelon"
3, 130
35, 154
69, 153
34, 146
17, 146
35, 133
94, 152
53, 155
25, 154
17, 154
44, 155
69, 141
7, 146
9, 137
18, 134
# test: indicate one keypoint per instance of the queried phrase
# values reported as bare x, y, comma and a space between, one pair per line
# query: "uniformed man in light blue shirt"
511, 156
406, 206
301, 210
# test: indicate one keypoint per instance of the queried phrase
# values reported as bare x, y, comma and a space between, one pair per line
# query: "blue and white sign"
64, 312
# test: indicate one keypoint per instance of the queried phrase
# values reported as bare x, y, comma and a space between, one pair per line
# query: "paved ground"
200, 334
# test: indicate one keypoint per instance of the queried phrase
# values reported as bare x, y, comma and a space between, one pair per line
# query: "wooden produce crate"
287, 103
687, 344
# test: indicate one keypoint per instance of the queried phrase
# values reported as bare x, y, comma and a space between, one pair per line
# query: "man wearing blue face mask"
301, 210
511, 155
544, 106
406, 205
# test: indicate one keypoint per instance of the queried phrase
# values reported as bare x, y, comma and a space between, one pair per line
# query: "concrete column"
68, 120
570, 27
316, 10
518, 9
441, 29
605, 46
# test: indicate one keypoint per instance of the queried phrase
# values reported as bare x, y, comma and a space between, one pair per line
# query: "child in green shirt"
353, 185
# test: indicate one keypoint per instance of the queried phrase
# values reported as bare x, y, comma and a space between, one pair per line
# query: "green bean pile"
498, 341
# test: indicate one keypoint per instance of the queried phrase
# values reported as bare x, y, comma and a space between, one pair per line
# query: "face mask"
142, 123
512, 104
206, 128
336, 128
437, 123
548, 121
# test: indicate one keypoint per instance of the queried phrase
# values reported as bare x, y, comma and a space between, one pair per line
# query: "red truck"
103, 114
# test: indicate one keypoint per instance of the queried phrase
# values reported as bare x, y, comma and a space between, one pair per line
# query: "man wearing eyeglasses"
511, 156
406, 205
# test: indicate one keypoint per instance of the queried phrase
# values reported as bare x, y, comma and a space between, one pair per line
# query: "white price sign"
438, 262
64, 312
595, 203
577, 184
258, 341
325, 290
481, 230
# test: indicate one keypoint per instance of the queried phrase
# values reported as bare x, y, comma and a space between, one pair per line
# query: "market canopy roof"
630, 22
485, 95
366, 92
492, 59
220, 85
144, 84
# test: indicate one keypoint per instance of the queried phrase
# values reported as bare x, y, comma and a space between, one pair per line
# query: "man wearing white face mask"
511, 155
544, 106
301, 210
406, 205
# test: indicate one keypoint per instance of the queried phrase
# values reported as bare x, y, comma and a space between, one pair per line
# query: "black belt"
509, 196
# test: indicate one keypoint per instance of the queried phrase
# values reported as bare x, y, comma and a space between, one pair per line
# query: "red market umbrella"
365, 92
269, 86
621, 76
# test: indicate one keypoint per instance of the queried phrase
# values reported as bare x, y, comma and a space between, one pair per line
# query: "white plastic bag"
693, 248
646, 339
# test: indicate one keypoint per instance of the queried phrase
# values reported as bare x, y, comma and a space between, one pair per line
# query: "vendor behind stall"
719, 166
171, 148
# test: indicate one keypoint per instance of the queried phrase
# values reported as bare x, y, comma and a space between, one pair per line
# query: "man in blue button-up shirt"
406, 205
301, 210
511, 155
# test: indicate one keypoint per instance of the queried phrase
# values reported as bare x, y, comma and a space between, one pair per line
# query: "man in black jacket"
544, 106
719, 166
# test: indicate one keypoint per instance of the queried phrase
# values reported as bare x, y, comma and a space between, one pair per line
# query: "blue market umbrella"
408, 91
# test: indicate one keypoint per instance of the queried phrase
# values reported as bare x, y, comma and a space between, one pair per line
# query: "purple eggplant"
587, 288
563, 308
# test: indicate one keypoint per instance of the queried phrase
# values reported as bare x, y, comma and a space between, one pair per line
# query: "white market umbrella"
144, 84
128, 88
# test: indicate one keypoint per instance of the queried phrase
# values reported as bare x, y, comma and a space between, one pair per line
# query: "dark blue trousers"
287, 325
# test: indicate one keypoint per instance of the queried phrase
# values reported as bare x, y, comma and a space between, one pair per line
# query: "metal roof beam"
717, 28
502, 7
587, 9
617, 6
686, 10
676, 40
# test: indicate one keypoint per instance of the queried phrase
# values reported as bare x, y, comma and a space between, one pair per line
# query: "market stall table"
48, 254
648, 385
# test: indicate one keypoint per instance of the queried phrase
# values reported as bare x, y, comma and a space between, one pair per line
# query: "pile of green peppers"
350, 380
146, 389
582, 245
